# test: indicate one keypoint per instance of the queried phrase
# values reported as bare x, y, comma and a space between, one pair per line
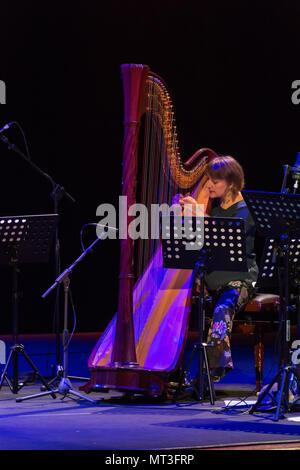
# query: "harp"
141, 349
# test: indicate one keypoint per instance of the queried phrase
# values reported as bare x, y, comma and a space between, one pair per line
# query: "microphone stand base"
64, 389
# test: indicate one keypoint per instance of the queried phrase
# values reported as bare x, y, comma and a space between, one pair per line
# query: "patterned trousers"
228, 302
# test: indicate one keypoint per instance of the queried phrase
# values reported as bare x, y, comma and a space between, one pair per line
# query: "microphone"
296, 173
7, 126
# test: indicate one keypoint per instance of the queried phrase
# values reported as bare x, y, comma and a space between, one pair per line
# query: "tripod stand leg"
50, 391
265, 392
282, 395
78, 395
13, 356
200, 391
42, 394
14, 385
15, 361
210, 383
60, 375
9, 383
4, 375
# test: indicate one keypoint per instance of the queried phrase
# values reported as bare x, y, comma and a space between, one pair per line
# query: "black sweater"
217, 279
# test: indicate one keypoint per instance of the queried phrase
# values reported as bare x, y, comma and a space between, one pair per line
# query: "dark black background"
229, 67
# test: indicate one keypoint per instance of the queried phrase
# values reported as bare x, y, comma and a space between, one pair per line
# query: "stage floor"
116, 424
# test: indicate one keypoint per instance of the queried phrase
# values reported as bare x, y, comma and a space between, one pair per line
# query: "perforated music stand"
23, 239
203, 244
269, 275
277, 216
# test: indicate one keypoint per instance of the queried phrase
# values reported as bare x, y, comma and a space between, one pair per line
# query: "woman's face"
217, 187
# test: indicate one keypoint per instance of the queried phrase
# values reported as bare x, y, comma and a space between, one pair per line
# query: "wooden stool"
254, 311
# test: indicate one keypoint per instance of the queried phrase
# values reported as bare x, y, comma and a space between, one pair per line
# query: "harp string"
161, 160
156, 178
163, 171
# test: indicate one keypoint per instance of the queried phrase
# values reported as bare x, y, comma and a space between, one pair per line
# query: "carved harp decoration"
142, 347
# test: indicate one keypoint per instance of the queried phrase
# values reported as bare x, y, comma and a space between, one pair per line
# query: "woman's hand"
183, 199
191, 203
187, 202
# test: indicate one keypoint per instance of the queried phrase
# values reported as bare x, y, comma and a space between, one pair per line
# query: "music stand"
269, 275
23, 239
204, 244
57, 193
277, 217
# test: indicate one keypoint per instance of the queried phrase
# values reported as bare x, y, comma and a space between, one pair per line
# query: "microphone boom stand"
65, 387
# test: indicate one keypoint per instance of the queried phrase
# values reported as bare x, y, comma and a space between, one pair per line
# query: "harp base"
127, 379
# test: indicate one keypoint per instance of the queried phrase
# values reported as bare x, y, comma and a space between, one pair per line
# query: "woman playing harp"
230, 290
